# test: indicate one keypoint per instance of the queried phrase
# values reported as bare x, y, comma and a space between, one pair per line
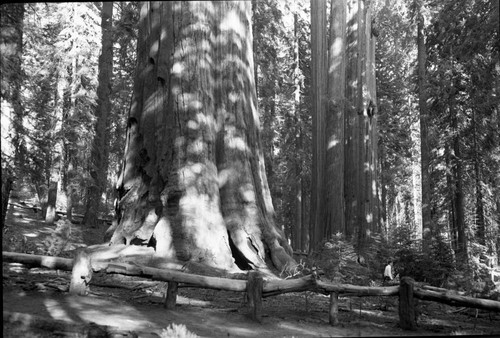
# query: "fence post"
254, 291
81, 274
171, 295
334, 309
407, 304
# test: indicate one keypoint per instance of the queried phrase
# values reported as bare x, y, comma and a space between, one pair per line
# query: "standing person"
388, 272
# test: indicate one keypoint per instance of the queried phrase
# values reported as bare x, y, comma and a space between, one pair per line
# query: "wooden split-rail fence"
141, 262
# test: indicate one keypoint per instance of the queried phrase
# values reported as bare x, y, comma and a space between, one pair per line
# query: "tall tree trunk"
371, 118
319, 85
383, 196
424, 134
367, 123
56, 155
452, 207
351, 185
457, 189
298, 193
335, 219
479, 212
70, 163
304, 245
360, 139
416, 182
360, 133
100, 145
493, 245
193, 182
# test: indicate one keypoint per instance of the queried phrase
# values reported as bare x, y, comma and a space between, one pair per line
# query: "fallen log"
456, 300
104, 253
356, 290
279, 286
167, 275
49, 262
434, 288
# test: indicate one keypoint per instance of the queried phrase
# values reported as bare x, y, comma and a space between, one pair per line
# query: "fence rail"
122, 260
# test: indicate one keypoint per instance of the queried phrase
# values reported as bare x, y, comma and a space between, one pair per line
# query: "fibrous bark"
424, 133
335, 218
361, 200
352, 107
193, 182
319, 84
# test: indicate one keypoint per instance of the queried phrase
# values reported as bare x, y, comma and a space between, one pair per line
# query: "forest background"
436, 166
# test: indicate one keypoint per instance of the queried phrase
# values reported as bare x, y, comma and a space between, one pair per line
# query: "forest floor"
36, 302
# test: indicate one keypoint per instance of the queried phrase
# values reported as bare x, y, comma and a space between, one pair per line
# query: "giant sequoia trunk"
335, 218
193, 182
361, 200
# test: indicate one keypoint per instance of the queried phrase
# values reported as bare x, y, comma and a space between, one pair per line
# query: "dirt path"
40, 295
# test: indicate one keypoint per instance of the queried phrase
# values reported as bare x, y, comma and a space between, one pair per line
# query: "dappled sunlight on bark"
193, 183
164, 239
201, 218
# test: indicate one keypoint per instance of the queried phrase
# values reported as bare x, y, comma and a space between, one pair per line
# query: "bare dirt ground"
36, 302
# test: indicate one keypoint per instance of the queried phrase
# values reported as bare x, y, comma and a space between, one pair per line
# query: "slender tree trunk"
495, 245
457, 188
298, 192
452, 207
50, 211
335, 219
100, 145
304, 245
56, 156
297, 231
70, 185
360, 139
193, 183
383, 195
416, 182
479, 212
319, 85
424, 134
70, 163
